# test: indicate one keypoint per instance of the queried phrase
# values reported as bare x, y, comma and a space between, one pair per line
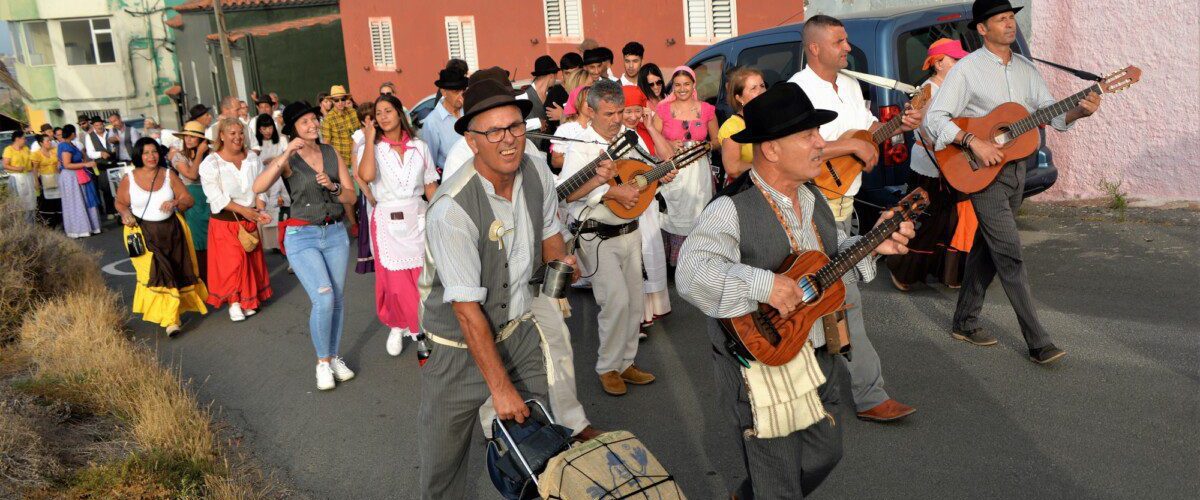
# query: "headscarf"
685, 69
634, 96
942, 48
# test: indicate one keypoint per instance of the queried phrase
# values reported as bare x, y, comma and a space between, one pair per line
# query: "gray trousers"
794, 465
452, 389
997, 251
617, 286
866, 371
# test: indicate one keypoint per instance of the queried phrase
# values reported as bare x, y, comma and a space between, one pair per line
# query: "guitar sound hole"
1001, 136
809, 291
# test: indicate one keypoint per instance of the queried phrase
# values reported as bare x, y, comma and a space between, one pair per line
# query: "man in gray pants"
489, 226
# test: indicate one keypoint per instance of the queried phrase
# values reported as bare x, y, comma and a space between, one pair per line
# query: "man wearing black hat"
597, 62
545, 75
984, 79
632, 55
489, 226
438, 129
726, 269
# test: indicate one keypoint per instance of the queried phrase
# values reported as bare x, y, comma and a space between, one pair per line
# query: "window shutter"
564, 21
460, 39
709, 21
722, 19
382, 48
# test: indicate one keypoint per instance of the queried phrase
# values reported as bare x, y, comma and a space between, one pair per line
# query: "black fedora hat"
544, 65
569, 61
781, 111
450, 79
487, 93
293, 112
198, 111
983, 10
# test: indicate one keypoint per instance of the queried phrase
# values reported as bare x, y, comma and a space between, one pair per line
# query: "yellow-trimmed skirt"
168, 282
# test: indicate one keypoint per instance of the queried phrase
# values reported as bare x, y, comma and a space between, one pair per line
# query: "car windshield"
913, 46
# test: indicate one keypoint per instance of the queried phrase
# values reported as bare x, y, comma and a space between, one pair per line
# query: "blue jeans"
319, 256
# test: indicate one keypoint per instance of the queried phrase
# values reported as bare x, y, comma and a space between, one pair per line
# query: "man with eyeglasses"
337, 130
610, 248
488, 228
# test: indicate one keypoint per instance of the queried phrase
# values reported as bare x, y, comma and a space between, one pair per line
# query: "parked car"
890, 43
425, 106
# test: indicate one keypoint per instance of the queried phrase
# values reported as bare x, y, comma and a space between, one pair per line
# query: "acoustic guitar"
771, 339
621, 145
645, 178
1009, 125
839, 173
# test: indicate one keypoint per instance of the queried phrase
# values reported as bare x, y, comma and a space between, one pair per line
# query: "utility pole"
225, 55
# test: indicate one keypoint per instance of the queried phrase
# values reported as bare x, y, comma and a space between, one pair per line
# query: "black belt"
606, 231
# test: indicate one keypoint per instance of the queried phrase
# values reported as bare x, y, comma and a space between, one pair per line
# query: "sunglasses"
655, 84
337, 99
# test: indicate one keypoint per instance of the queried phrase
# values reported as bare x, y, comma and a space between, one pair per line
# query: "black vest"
311, 201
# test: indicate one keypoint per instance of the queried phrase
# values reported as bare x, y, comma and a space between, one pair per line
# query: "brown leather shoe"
887, 411
613, 384
636, 376
587, 434
903, 287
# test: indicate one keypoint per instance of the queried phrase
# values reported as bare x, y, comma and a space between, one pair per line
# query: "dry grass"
24, 460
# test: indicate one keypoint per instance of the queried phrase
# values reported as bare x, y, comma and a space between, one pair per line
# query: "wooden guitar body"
774, 340
626, 171
837, 174
963, 170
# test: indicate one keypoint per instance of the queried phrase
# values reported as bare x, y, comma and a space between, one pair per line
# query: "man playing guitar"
827, 47
989, 77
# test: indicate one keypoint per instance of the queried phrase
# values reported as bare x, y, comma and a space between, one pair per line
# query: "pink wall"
1146, 136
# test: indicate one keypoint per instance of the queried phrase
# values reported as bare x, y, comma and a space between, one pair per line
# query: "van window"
778, 62
708, 78
913, 45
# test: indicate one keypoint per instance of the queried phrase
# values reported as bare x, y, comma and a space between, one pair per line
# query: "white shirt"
461, 153
91, 150
626, 81
269, 151
397, 179
223, 182
920, 161
847, 100
569, 130
578, 156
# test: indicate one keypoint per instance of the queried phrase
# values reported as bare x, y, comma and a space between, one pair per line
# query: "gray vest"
437, 316
764, 243
311, 201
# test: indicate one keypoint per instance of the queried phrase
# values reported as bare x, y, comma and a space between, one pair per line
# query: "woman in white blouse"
235, 276
399, 169
269, 145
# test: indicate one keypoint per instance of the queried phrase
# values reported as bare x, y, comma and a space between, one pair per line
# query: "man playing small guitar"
726, 269
828, 47
991, 76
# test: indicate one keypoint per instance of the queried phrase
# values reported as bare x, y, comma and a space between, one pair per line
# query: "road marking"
112, 268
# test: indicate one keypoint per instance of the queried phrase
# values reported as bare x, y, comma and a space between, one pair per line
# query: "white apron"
26, 189
654, 255
686, 197
400, 240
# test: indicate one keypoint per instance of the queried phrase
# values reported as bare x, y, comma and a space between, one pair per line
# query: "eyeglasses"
496, 135
337, 99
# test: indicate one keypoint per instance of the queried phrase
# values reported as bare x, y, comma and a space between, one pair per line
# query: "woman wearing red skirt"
235, 276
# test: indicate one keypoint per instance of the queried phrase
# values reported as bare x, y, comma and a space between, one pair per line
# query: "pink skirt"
397, 297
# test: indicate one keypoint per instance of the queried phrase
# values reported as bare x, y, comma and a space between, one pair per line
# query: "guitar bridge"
766, 328
972, 160
837, 180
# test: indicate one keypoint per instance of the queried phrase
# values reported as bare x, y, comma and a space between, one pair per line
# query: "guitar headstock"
922, 97
623, 144
1120, 79
912, 206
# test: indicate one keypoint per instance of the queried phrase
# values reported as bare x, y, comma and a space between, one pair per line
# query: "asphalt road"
1115, 419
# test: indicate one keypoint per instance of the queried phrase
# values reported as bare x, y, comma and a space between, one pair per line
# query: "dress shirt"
223, 182
578, 156
94, 145
120, 149
710, 273
980, 82
452, 240
438, 132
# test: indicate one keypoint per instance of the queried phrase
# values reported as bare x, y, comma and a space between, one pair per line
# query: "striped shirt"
980, 82
710, 273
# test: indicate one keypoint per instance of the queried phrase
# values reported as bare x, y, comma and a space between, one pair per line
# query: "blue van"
890, 43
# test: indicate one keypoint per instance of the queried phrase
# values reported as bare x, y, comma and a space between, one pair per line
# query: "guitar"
621, 146
1009, 126
772, 340
645, 178
839, 173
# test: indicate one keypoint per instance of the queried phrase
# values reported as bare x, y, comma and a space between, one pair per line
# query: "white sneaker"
340, 371
235, 312
251, 312
325, 376
395, 342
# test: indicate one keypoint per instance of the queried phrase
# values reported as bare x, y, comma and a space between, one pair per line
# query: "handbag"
248, 240
135, 242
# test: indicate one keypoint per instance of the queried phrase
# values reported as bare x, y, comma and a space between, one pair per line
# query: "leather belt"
606, 231
506, 331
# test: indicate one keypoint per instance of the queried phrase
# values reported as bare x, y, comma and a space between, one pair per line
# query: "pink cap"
944, 47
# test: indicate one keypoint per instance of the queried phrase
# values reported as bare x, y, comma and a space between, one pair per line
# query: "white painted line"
112, 268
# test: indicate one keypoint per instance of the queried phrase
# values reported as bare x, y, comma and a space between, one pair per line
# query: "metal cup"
558, 276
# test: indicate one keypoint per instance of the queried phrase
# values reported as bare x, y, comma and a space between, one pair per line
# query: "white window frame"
24, 27
96, 44
461, 23
18, 39
383, 44
710, 37
566, 10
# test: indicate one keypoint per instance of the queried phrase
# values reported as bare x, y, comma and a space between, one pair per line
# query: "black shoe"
1046, 355
974, 336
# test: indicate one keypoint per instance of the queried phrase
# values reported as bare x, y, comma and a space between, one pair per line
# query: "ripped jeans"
319, 256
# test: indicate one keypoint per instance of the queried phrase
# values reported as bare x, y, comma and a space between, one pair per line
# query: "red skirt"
235, 275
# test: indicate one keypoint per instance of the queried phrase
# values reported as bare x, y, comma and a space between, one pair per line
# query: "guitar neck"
845, 260
580, 178
887, 130
1046, 114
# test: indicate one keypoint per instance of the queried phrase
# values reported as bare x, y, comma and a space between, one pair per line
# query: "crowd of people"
458, 217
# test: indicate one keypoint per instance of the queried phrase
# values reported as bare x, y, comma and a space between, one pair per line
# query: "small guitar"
839, 173
621, 146
1009, 126
645, 178
773, 340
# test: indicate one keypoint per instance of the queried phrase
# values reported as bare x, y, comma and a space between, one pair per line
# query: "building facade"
290, 47
93, 57
407, 41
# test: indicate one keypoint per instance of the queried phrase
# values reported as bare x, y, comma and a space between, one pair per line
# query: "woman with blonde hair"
237, 272
576, 117
744, 84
